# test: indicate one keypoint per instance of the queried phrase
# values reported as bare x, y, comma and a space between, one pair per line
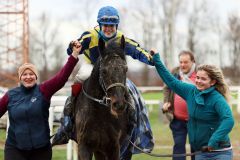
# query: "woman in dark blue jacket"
210, 116
28, 109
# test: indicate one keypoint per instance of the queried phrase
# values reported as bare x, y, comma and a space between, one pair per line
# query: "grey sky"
61, 9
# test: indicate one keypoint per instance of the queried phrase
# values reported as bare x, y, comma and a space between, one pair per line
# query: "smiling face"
203, 81
28, 78
109, 30
185, 63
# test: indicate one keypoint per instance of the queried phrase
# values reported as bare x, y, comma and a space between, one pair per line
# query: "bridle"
106, 100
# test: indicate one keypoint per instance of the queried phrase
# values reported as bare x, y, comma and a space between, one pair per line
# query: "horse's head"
112, 73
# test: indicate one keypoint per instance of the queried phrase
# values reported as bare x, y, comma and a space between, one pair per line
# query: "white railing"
233, 89
236, 101
57, 104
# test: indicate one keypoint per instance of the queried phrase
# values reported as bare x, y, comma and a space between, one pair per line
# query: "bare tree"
170, 9
45, 49
141, 25
202, 23
234, 43
157, 19
219, 32
86, 13
193, 24
152, 25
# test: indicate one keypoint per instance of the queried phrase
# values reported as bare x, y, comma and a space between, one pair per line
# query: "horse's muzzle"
118, 105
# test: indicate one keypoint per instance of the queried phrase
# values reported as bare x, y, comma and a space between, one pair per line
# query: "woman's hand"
153, 52
206, 149
166, 106
76, 48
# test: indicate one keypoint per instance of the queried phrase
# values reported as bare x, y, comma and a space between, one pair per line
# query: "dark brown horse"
101, 109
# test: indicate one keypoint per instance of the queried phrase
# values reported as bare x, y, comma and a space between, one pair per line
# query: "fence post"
51, 109
69, 150
75, 151
238, 100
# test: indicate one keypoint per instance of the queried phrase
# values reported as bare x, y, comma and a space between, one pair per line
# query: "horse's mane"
114, 45
112, 48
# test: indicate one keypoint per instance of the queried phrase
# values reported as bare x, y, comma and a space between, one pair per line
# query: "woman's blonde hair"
215, 73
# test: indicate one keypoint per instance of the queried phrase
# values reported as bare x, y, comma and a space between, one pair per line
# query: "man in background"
175, 108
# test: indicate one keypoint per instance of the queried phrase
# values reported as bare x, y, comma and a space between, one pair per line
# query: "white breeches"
84, 72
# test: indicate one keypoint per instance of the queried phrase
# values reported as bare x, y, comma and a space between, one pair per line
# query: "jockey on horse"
139, 128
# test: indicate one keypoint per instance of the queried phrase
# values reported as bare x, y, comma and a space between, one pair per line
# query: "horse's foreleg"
99, 156
84, 153
114, 154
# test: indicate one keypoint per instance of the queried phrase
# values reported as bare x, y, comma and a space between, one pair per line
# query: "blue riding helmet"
108, 15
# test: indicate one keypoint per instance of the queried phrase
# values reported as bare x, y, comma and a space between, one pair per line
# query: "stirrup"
64, 132
60, 138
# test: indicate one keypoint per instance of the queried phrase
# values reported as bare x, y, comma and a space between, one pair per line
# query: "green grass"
161, 132
153, 95
59, 154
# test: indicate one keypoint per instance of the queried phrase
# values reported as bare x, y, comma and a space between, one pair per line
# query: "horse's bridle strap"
116, 85
104, 101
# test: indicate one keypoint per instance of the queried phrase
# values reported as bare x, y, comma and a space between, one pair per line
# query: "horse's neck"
93, 87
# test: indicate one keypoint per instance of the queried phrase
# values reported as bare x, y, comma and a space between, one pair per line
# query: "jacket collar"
199, 98
27, 90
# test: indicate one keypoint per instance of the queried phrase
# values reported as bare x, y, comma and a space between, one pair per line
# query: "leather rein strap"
165, 155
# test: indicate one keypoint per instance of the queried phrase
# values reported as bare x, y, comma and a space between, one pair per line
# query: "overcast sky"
59, 8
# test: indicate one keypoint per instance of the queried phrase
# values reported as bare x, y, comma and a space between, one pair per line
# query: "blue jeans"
179, 132
223, 155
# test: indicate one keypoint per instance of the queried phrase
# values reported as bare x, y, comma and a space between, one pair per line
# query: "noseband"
106, 101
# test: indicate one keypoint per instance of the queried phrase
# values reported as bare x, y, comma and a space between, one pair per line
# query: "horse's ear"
101, 45
122, 42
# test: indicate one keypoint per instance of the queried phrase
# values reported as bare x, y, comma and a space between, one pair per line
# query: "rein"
104, 101
165, 155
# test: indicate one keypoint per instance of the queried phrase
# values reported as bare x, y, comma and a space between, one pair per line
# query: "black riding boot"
64, 133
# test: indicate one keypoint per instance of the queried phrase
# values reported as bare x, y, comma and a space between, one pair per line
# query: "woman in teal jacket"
210, 116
